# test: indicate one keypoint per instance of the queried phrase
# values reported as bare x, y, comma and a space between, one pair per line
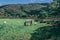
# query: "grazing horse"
28, 22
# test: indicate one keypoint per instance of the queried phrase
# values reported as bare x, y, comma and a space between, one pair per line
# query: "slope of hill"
19, 10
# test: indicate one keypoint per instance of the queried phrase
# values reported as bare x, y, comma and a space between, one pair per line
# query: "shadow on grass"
46, 33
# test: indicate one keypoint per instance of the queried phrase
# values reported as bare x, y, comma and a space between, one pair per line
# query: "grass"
14, 29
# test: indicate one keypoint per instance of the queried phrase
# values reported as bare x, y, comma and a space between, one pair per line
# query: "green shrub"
1, 26
36, 20
46, 33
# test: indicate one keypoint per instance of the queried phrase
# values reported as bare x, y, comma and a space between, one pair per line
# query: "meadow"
14, 29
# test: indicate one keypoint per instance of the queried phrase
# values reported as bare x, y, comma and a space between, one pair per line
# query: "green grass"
14, 29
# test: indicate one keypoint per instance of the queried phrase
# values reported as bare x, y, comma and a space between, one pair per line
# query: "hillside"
19, 10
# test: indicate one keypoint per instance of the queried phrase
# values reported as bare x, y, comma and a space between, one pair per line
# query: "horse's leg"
24, 23
30, 22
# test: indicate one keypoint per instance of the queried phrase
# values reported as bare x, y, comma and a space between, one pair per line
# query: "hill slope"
18, 10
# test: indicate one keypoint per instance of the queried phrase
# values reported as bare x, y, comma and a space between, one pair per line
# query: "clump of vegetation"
1, 26
47, 33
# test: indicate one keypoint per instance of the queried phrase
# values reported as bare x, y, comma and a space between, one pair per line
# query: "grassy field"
14, 29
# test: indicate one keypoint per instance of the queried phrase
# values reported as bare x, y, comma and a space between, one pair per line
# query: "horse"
28, 22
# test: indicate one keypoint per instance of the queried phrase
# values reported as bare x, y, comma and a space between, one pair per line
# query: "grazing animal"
28, 22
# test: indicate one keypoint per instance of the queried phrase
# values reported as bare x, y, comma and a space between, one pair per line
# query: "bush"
1, 26
36, 20
46, 33
48, 22
41, 21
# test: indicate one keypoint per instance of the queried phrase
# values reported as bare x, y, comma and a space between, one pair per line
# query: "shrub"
36, 20
46, 33
1, 26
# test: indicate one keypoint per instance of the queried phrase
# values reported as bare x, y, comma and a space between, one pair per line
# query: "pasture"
14, 29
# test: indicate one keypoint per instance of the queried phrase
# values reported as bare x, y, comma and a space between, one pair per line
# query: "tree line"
36, 10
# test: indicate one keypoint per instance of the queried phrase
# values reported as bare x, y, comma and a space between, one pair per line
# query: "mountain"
19, 10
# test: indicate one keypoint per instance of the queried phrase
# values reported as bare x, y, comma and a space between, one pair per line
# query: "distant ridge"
21, 9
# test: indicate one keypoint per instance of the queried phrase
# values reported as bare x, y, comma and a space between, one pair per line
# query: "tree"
44, 14
55, 8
